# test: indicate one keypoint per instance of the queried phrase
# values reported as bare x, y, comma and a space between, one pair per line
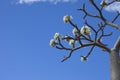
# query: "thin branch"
86, 38
80, 42
66, 57
115, 18
84, 45
62, 47
105, 35
90, 51
97, 8
75, 26
86, 13
101, 27
96, 33
111, 3
103, 18
90, 26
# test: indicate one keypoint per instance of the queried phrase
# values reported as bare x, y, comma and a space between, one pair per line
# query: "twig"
66, 57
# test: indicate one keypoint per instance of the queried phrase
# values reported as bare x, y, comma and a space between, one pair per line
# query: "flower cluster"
83, 58
53, 42
67, 18
85, 30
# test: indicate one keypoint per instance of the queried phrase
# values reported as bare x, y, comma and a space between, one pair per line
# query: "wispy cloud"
113, 7
51, 1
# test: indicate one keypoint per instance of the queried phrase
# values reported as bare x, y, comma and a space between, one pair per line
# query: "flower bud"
67, 38
67, 18
103, 3
75, 31
52, 42
83, 58
85, 30
71, 42
57, 36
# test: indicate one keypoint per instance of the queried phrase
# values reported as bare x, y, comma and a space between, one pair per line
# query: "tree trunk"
115, 61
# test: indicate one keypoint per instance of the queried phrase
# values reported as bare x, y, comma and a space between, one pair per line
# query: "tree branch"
90, 51
113, 25
86, 13
97, 8
94, 40
115, 18
66, 57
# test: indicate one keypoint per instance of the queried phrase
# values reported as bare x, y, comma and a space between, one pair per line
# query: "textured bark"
114, 65
115, 61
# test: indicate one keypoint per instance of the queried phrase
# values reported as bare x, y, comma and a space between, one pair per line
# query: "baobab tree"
89, 36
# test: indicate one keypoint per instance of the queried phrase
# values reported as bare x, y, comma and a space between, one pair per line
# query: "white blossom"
104, 3
75, 31
83, 58
52, 42
67, 18
85, 30
71, 42
57, 36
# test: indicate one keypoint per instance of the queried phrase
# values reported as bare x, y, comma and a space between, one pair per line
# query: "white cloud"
51, 1
113, 7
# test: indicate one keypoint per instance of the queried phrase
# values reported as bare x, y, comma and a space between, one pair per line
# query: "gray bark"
115, 61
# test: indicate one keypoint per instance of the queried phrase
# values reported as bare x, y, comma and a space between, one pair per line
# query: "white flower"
67, 18
71, 42
85, 30
104, 3
75, 31
52, 42
83, 58
57, 36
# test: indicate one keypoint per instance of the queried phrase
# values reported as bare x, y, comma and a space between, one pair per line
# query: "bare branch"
115, 18
102, 46
99, 10
61, 46
96, 33
113, 25
75, 26
66, 57
86, 13
84, 45
90, 41
90, 51
90, 26
111, 2
102, 17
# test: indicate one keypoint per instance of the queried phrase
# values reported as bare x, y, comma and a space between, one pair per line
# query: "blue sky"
25, 32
